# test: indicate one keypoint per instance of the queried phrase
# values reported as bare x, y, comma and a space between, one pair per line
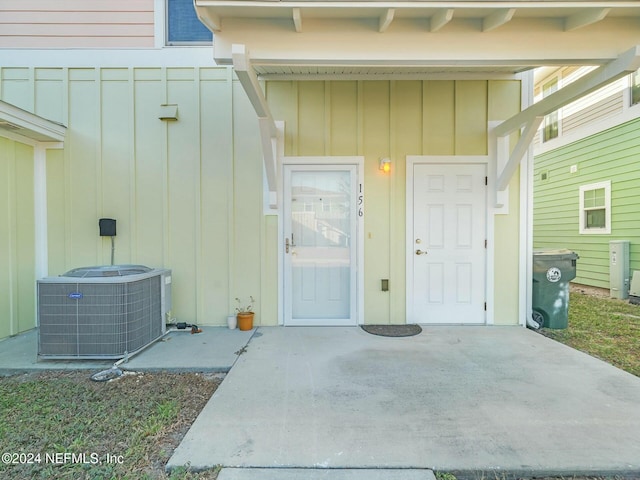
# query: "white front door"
448, 246
320, 224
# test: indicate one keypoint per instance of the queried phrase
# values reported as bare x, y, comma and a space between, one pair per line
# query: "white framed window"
595, 208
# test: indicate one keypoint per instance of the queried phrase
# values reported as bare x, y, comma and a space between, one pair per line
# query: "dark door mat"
393, 330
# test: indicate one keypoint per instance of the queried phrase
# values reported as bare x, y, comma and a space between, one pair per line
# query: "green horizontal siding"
610, 155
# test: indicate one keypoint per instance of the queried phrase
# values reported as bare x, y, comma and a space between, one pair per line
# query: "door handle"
288, 244
420, 252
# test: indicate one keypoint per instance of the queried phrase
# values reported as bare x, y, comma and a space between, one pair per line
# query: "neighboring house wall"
611, 155
600, 105
17, 240
184, 193
396, 119
76, 23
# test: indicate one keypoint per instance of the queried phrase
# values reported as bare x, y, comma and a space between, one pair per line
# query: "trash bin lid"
559, 253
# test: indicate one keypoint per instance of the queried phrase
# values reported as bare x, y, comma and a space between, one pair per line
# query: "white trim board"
200, 56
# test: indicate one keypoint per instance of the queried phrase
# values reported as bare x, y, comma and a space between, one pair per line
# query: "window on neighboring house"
550, 121
595, 208
635, 88
183, 26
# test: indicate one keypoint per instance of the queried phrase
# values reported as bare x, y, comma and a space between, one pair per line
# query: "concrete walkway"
462, 399
213, 350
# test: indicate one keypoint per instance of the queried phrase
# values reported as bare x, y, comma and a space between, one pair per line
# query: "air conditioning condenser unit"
102, 312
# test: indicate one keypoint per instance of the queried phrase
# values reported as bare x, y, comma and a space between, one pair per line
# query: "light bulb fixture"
385, 165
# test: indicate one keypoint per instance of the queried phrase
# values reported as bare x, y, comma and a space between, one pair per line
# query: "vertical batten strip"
327, 117
68, 204
99, 163
392, 179
198, 198
231, 277
133, 170
360, 113
166, 238
12, 241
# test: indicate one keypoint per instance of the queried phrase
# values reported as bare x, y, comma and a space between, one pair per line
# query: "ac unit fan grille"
99, 320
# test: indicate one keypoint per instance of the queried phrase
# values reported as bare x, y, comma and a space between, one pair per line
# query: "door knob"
420, 252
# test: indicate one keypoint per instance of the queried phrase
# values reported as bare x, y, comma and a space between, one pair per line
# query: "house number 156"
360, 201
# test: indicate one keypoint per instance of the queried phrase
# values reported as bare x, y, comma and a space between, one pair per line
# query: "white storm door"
320, 244
449, 253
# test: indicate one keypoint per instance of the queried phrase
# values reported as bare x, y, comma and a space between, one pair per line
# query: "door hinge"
486, 180
485, 243
485, 306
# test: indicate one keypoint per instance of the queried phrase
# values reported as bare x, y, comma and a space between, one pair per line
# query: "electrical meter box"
619, 278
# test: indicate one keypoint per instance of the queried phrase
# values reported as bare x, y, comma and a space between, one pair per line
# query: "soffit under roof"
426, 39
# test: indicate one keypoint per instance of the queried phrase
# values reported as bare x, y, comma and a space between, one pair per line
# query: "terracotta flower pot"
245, 320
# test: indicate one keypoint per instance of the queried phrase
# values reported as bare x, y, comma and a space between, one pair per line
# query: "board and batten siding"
17, 238
611, 155
76, 24
394, 119
186, 194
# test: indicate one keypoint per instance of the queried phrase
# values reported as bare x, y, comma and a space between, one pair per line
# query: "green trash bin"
552, 272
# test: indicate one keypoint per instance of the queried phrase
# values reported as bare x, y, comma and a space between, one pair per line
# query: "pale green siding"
611, 155
17, 238
396, 119
186, 194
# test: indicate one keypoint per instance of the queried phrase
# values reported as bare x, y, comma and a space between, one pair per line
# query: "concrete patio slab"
324, 474
213, 350
453, 398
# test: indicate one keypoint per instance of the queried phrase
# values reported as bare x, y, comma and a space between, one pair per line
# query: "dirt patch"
589, 290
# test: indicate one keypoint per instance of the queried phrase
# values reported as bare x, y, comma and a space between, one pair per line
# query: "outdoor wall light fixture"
385, 165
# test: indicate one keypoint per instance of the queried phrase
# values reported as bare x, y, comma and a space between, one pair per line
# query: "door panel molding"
434, 185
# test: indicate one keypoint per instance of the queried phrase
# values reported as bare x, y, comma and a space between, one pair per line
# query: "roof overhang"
418, 39
18, 123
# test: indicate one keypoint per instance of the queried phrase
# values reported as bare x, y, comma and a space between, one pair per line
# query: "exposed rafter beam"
385, 19
297, 19
497, 19
626, 63
518, 153
440, 19
210, 19
269, 156
584, 18
268, 131
249, 80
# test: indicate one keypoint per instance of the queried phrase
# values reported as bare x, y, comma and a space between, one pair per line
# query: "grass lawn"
122, 429
605, 328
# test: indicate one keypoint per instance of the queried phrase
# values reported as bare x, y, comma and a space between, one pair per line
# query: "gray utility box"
619, 278
102, 312
634, 290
